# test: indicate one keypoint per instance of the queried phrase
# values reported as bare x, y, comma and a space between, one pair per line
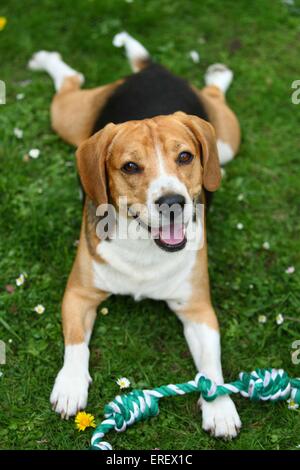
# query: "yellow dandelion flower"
84, 420
3, 22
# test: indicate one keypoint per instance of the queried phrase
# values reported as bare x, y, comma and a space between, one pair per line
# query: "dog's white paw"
52, 63
220, 417
219, 75
70, 392
40, 59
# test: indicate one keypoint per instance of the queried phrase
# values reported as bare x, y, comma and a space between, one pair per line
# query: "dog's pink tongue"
172, 234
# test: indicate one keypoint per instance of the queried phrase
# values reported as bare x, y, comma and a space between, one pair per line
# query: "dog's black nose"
170, 202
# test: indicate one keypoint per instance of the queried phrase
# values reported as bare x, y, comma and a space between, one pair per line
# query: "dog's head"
160, 165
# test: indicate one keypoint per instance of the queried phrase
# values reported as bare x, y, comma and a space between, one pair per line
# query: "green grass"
41, 213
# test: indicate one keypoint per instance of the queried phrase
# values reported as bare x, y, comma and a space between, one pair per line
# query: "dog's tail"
138, 56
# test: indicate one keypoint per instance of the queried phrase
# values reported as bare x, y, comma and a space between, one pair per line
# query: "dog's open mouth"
170, 237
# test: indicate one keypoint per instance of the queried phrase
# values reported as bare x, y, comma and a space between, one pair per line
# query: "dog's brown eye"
184, 158
131, 168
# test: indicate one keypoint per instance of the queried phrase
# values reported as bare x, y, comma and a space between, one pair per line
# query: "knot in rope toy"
138, 405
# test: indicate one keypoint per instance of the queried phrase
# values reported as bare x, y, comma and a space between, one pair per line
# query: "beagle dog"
158, 142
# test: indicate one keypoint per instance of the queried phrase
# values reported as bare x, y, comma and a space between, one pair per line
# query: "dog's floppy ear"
206, 137
91, 157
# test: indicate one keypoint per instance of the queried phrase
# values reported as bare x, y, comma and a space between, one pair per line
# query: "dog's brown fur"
73, 114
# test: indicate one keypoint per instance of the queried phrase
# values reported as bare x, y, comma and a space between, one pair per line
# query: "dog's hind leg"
137, 54
218, 75
218, 79
52, 63
73, 111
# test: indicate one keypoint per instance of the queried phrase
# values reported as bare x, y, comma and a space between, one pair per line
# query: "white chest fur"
141, 269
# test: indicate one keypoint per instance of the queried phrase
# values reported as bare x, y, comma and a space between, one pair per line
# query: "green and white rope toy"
138, 405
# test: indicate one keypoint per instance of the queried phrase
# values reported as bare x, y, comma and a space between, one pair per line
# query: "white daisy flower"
20, 280
279, 319
39, 309
34, 153
239, 226
251, 286
104, 311
240, 197
290, 270
20, 96
18, 133
292, 405
123, 382
1, 373
10, 341
262, 319
266, 245
194, 55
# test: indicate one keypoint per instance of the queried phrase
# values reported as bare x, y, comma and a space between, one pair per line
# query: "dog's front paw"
220, 417
70, 392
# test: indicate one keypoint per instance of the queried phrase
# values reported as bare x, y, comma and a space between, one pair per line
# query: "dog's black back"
151, 92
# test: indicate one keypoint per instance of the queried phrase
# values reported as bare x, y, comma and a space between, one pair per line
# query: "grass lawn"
40, 214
